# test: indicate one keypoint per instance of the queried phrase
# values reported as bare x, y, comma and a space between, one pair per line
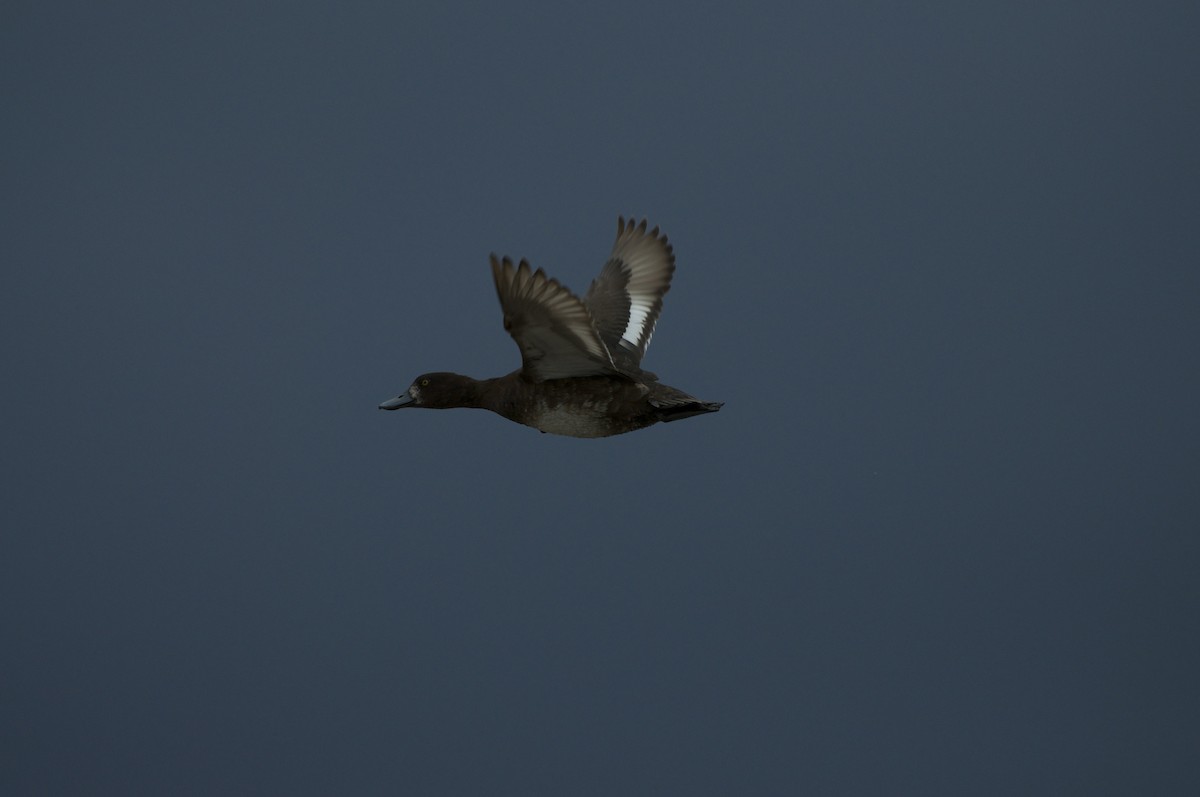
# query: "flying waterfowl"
580, 371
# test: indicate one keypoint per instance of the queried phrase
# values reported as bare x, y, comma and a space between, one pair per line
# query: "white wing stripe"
639, 315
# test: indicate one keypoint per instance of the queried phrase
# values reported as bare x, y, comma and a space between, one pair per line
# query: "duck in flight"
580, 371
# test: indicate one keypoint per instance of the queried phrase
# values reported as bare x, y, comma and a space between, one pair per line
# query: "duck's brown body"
587, 406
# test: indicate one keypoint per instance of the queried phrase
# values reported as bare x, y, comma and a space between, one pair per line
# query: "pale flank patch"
585, 421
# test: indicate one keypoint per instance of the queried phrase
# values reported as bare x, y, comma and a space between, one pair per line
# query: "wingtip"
505, 263
631, 224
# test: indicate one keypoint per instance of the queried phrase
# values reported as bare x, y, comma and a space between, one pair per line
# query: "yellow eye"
424, 382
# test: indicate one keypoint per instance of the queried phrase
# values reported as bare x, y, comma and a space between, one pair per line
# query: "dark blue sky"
940, 260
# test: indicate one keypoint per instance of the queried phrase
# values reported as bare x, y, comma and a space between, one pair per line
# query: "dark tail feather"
677, 411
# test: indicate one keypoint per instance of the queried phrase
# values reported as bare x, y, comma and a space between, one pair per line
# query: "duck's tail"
675, 405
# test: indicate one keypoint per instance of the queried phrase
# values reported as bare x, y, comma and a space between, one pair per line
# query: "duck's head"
439, 390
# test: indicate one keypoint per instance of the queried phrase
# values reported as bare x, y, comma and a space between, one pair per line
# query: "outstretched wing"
551, 326
626, 299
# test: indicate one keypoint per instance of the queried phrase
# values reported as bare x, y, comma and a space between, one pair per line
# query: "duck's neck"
453, 391
501, 394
